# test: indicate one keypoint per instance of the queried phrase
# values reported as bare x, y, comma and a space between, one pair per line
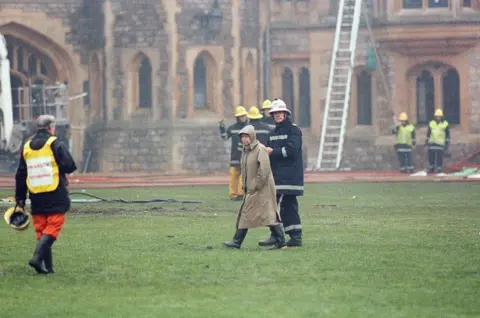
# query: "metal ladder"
339, 82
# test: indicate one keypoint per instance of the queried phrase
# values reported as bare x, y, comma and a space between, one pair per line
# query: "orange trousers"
49, 224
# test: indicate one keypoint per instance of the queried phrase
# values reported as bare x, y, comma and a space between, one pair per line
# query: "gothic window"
412, 4
438, 3
425, 97
451, 96
364, 98
304, 119
204, 81
287, 89
200, 84
145, 83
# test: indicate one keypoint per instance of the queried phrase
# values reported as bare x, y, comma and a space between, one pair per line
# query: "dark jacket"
236, 149
57, 201
262, 130
286, 158
268, 121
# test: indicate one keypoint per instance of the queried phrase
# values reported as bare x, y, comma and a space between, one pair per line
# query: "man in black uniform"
286, 160
235, 182
261, 129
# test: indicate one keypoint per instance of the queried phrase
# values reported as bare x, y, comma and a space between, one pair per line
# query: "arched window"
145, 83
304, 119
287, 89
364, 98
425, 97
204, 82
200, 83
451, 96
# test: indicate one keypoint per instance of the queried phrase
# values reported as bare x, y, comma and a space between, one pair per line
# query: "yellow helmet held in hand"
240, 111
17, 218
254, 113
403, 116
438, 112
267, 104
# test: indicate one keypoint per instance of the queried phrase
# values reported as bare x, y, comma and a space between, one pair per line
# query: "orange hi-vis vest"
42, 169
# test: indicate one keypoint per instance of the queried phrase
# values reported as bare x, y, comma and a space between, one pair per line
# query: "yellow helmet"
254, 113
240, 111
403, 116
17, 218
438, 112
267, 104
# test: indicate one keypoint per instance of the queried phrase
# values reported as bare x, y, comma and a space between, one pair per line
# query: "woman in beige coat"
259, 207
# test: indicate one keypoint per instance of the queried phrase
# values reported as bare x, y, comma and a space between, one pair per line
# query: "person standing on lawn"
259, 207
42, 170
286, 158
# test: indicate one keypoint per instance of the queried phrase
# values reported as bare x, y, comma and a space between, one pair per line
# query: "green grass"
396, 250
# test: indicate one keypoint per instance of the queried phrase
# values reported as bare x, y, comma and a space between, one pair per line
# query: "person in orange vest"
438, 140
235, 180
405, 141
44, 163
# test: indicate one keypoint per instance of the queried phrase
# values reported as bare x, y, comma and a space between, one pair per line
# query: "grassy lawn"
396, 250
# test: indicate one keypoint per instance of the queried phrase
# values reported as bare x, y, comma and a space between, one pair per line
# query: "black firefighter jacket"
262, 130
286, 158
236, 150
57, 201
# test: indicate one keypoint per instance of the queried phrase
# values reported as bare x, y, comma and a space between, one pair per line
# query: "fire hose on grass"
97, 199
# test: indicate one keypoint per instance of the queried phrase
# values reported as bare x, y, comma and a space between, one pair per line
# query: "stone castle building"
161, 73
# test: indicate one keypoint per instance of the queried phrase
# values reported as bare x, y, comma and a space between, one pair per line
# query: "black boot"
48, 257
279, 234
295, 238
237, 239
38, 256
270, 241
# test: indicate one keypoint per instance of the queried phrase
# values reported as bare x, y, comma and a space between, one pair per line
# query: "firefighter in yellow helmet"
438, 140
267, 118
235, 183
405, 141
262, 129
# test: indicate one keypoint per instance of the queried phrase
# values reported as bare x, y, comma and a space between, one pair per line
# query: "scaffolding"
34, 100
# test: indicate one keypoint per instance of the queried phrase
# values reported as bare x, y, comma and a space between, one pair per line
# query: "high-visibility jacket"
43, 174
438, 133
405, 135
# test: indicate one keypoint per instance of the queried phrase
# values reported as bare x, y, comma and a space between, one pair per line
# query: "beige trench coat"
259, 207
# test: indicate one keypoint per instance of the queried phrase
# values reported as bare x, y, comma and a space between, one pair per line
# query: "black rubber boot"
295, 239
279, 234
48, 257
237, 239
270, 241
38, 256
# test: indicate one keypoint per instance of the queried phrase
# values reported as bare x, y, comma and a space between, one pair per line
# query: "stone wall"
71, 13
161, 147
195, 35
250, 29
290, 41
140, 25
474, 90
193, 147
